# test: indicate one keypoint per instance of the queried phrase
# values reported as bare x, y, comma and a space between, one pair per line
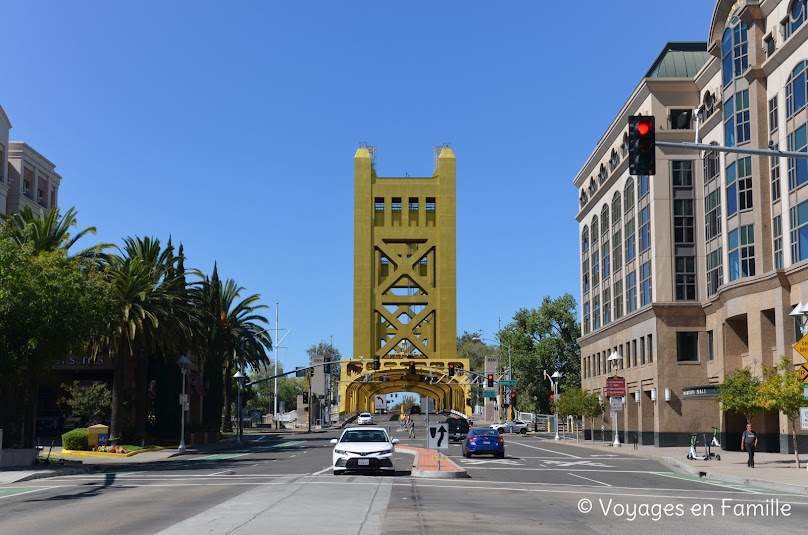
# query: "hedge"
77, 439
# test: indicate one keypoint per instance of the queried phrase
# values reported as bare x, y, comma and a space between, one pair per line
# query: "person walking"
412, 428
749, 442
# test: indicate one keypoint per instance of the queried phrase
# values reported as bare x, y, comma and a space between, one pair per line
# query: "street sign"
615, 387
802, 347
805, 390
612, 415
507, 382
804, 418
489, 394
616, 404
437, 437
803, 371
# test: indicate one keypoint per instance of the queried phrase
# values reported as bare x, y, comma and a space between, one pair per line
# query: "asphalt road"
284, 484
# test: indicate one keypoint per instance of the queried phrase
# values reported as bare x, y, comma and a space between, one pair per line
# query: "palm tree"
51, 231
153, 317
231, 335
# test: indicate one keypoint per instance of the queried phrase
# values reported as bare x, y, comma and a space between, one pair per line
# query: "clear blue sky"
232, 126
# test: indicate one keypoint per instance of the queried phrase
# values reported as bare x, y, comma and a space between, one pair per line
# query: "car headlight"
340, 452
385, 452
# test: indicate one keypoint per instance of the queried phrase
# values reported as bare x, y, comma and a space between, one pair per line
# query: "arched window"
796, 16
585, 239
604, 219
594, 233
734, 50
628, 196
616, 211
624, 145
796, 89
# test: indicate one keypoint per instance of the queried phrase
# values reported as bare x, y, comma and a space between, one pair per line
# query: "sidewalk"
774, 471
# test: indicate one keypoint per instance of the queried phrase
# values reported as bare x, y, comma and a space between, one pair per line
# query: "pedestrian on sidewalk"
412, 428
749, 443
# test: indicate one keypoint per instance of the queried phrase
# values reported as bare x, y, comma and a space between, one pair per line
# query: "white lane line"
592, 480
32, 489
723, 484
550, 451
220, 473
323, 471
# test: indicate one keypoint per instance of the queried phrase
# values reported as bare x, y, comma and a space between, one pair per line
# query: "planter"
14, 458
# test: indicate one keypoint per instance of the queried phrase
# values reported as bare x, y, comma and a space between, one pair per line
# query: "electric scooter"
693, 455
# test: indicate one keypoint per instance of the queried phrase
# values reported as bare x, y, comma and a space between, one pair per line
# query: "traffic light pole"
737, 150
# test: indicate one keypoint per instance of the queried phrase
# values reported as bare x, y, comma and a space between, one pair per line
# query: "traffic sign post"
615, 387
437, 437
805, 390
616, 404
801, 347
804, 418
803, 371
507, 382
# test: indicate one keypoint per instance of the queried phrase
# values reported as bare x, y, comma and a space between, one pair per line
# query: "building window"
773, 120
595, 268
617, 250
682, 173
734, 50
645, 283
745, 184
586, 318
798, 217
715, 274
732, 190
630, 241
685, 278
729, 121
585, 240
595, 232
681, 119
618, 299
774, 174
742, 128
430, 204
628, 354
710, 350
378, 204
796, 16
642, 350
607, 307
796, 89
650, 349
712, 166
413, 204
628, 196
396, 204
797, 167
683, 222
742, 252
634, 344
642, 186
687, 347
631, 292
712, 219
585, 272
645, 229
777, 233
596, 313
617, 212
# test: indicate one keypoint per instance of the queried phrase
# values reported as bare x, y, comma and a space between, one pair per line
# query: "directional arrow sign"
802, 347
803, 371
437, 437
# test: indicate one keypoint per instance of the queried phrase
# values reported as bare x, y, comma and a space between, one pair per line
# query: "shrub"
77, 439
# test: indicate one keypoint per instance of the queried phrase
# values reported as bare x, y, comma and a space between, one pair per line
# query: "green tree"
91, 402
545, 338
782, 391
740, 392
592, 408
51, 305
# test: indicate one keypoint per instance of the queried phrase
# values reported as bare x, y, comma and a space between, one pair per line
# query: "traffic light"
513, 399
376, 362
641, 145
305, 397
327, 368
490, 380
412, 368
451, 370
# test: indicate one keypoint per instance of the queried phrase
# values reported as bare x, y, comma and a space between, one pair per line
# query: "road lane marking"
324, 470
8, 492
545, 449
717, 483
592, 480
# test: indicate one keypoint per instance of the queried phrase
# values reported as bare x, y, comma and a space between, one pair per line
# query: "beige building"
26, 177
692, 273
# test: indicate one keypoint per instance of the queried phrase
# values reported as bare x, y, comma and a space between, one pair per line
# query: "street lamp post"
554, 382
615, 358
238, 376
184, 363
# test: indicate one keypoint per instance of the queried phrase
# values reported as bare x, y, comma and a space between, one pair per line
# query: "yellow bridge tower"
405, 291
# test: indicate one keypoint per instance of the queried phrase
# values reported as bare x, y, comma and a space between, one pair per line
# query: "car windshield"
483, 432
364, 436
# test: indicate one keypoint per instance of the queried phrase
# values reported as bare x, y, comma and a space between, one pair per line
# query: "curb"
43, 474
741, 480
433, 474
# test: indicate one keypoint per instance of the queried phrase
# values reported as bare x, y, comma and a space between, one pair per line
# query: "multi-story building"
685, 275
26, 177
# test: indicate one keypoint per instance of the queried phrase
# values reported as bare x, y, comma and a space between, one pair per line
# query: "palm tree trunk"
227, 424
141, 399
116, 425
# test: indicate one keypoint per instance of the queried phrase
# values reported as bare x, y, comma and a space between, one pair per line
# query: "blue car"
484, 440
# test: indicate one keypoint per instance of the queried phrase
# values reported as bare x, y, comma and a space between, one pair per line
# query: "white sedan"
364, 449
364, 418
511, 426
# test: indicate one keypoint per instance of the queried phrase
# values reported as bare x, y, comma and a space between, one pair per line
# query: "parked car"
364, 418
367, 449
484, 440
458, 428
511, 426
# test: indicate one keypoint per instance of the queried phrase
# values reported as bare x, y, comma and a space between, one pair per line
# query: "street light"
801, 311
238, 376
615, 359
554, 382
184, 363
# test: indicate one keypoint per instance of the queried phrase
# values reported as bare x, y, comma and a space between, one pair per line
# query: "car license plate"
486, 442
363, 462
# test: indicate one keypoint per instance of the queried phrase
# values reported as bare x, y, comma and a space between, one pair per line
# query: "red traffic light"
644, 126
513, 395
